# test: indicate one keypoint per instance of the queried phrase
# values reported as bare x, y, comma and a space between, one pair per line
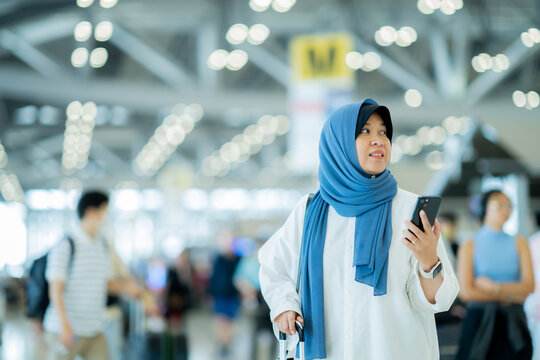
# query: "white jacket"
359, 325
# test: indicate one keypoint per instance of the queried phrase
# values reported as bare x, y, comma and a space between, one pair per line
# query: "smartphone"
430, 204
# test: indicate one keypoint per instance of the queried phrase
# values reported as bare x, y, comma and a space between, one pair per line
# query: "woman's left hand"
423, 244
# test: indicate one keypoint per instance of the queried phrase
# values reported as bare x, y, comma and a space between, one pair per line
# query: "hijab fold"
352, 193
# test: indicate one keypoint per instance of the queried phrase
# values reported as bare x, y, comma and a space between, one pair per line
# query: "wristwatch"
431, 274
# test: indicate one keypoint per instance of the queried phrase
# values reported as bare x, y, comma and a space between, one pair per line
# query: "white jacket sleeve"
446, 294
279, 258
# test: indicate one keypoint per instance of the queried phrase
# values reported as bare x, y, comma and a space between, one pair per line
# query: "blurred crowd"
146, 312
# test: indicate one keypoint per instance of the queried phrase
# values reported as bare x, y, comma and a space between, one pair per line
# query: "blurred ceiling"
158, 54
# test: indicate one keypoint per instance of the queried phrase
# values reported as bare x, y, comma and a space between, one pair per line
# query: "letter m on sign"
322, 61
320, 56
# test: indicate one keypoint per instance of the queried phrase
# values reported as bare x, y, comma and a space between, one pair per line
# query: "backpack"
37, 286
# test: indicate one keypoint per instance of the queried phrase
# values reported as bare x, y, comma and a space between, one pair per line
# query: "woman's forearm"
507, 292
520, 290
476, 294
431, 286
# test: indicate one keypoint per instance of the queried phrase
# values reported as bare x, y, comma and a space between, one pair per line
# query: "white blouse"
359, 325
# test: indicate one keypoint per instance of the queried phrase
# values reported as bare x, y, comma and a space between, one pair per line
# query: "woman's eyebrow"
369, 124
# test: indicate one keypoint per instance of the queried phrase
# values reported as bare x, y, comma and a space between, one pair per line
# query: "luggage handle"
283, 342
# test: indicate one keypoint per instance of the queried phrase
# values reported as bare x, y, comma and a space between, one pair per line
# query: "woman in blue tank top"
496, 275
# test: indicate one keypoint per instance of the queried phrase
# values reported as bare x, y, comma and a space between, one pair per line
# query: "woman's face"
373, 146
498, 209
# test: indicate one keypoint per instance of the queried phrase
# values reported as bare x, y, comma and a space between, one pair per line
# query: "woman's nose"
376, 140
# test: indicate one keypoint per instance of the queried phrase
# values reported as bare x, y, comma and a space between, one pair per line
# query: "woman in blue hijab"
370, 281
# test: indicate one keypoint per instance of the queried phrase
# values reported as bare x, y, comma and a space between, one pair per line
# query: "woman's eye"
364, 131
383, 132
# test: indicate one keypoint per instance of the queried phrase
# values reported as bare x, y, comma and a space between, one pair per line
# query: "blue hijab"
351, 192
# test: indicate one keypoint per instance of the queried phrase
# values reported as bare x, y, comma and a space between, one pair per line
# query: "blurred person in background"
246, 280
226, 297
114, 325
532, 304
370, 280
177, 292
177, 300
74, 320
457, 311
448, 223
496, 275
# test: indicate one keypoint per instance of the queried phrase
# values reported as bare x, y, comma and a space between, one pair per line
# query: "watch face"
437, 270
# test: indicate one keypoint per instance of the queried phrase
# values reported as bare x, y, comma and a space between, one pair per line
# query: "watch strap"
431, 274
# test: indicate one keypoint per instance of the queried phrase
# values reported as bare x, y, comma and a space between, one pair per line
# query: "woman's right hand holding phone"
423, 244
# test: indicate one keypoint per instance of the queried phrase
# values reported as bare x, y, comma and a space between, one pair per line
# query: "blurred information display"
321, 56
321, 82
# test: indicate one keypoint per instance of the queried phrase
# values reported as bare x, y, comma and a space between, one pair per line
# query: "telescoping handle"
283, 342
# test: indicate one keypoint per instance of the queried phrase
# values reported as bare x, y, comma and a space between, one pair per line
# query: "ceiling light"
380, 40
423, 134
413, 98
534, 34
433, 4
282, 5
107, 4
476, 64
406, 36
388, 34
533, 99
175, 136
372, 61
485, 61
89, 110
519, 98
3, 160
527, 39
412, 146
283, 125
458, 4
187, 123
84, 3
237, 34
74, 110
447, 7
79, 57
82, 31
435, 160
236, 60
259, 5
258, 33
98, 57
501, 62
354, 60
218, 59
195, 111
103, 31
423, 8
437, 135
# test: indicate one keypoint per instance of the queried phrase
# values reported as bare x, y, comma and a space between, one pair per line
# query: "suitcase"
283, 343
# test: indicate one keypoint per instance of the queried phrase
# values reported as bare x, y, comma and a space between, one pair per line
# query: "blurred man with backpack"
79, 277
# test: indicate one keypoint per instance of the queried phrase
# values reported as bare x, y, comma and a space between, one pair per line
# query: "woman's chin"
374, 171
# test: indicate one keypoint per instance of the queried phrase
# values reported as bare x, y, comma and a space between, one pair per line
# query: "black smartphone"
430, 204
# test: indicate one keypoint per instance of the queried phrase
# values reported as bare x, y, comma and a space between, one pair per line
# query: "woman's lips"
377, 154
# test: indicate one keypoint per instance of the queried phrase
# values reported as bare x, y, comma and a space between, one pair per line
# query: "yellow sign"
320, 56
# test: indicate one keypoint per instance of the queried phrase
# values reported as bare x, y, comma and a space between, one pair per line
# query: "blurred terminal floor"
20, 340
